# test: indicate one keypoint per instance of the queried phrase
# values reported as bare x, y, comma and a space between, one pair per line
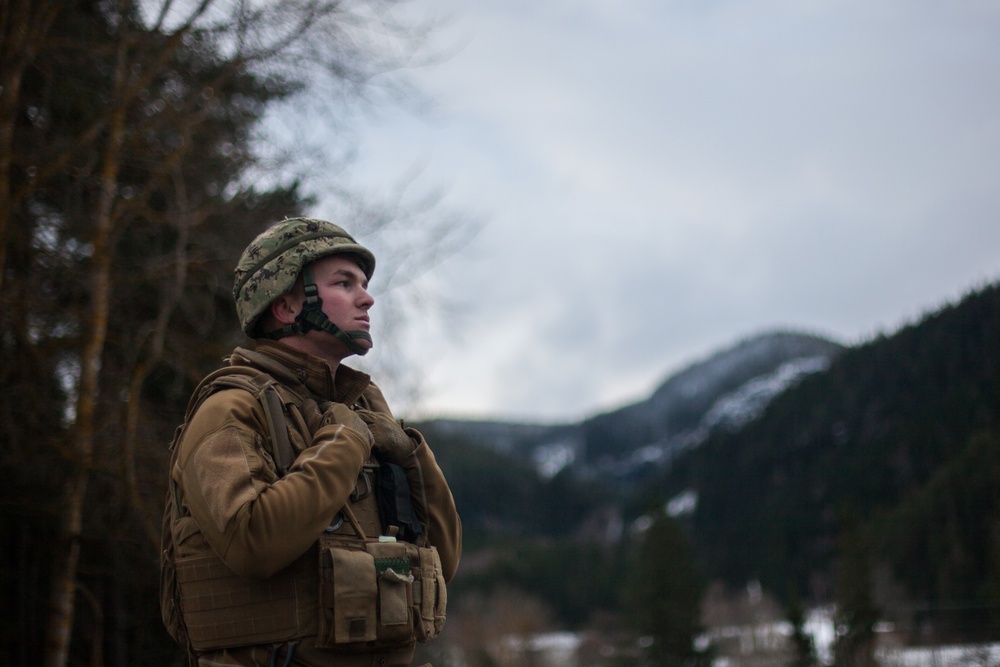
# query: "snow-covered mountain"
725, 390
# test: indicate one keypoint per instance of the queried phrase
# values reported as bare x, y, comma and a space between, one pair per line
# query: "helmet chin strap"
312, 317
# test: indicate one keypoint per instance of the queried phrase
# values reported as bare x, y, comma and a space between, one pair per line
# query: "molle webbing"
223, 610
219, 608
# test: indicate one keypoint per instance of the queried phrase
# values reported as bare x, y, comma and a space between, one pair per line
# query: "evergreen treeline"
874, 484
903, 433
560, 543
132, 175
168, 316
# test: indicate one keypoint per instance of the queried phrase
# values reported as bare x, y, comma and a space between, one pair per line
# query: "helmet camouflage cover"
272, 262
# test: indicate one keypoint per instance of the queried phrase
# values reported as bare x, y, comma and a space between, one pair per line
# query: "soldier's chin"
365, 344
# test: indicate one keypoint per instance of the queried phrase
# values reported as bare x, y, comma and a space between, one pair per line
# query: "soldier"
304, 524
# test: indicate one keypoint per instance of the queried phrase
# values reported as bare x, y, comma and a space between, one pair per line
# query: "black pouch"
392, 494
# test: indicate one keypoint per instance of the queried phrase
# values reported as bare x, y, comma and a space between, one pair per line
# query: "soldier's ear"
285, 308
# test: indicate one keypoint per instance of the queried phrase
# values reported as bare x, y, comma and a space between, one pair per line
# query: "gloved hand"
335, 413
391, 442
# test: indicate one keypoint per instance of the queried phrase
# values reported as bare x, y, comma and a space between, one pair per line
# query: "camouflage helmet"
272, 262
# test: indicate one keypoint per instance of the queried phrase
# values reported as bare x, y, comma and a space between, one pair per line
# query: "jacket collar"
289, 366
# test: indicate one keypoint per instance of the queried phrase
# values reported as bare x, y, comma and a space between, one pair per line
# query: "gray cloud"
663, 178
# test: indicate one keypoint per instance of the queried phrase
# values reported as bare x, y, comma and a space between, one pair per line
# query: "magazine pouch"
431, 593
366, 593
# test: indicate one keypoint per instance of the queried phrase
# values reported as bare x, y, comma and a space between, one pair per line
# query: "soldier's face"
343, 288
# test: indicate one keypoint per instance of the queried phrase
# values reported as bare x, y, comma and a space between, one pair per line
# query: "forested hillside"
679, 411
901, 437
893, 450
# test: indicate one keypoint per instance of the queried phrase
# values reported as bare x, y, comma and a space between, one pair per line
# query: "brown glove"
391, 442
334, 413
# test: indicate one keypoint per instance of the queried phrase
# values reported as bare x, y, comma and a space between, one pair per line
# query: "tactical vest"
355, 589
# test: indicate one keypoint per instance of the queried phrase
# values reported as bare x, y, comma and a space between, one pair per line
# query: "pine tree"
856, 613
663, 594
803, 647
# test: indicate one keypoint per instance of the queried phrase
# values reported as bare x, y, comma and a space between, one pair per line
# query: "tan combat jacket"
261, 524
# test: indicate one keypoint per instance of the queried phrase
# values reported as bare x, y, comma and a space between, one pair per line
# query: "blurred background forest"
860, 494
134, 168
135, 165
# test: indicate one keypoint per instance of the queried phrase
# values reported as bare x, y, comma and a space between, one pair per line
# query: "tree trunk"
64, 577
22, 32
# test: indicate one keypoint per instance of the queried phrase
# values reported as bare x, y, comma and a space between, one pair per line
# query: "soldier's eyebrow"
352, 274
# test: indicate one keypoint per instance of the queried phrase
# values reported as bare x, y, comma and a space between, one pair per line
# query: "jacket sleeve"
429, 492
256, 522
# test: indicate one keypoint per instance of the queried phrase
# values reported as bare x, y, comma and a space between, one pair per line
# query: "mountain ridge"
894, 447
676, 414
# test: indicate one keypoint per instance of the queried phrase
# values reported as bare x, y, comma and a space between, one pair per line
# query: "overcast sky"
659, 179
